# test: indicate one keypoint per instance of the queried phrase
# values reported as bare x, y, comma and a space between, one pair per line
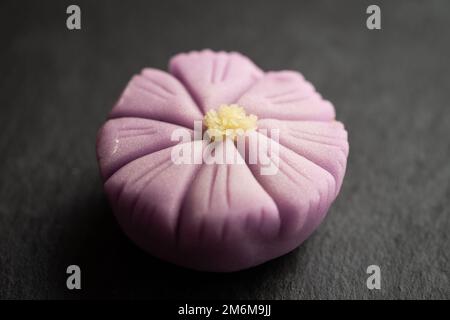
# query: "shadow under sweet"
113, 267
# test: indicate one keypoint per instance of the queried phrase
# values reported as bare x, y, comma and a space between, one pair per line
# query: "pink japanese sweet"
214, 215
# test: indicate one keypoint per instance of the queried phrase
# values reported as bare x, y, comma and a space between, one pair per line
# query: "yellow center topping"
229, 121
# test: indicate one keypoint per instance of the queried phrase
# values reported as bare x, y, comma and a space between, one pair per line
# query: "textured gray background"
390, 88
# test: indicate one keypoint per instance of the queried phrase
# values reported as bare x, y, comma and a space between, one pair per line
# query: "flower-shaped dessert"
218, 165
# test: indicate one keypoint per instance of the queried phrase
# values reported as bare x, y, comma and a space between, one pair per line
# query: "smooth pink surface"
220, 217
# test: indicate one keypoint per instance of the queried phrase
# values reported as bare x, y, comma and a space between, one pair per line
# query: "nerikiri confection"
217, 165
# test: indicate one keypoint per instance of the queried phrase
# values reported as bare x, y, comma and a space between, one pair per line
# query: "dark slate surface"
390, 88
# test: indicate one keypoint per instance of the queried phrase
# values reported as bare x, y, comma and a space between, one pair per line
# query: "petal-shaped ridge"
227, 216
286, 95
302, 190
122, 140
147, 195
157, 95
214, 78
324, 143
